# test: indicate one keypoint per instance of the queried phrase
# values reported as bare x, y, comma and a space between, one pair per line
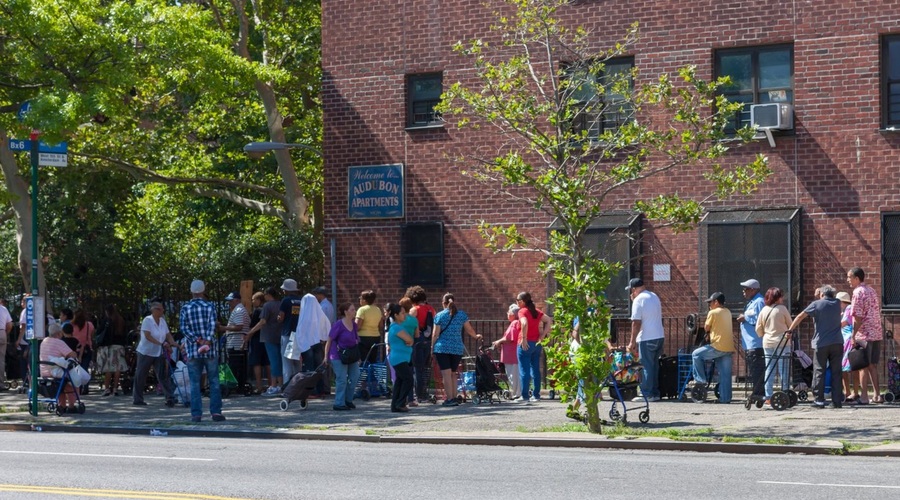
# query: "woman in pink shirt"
509, 343
53, 346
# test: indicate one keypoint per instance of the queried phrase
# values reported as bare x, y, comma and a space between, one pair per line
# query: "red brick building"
836, 65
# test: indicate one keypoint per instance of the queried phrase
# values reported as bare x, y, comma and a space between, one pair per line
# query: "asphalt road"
59, 466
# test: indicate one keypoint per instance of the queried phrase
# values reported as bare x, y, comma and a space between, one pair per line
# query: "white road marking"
142, 457
790, 483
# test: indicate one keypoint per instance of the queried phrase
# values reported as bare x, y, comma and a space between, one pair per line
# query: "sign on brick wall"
376, 192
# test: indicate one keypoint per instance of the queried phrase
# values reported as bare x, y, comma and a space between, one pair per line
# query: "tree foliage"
550, 95
156, 100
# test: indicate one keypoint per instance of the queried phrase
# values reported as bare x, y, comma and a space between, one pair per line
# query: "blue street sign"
25, 145
29, 318
23, 110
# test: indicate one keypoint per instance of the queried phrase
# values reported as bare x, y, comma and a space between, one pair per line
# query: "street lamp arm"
264, 147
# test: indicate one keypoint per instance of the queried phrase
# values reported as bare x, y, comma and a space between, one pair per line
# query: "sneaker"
450, 402
412, 403
637, 399
340, 408
349, 404
107, 392
170, 403
195, 419
218, 417
272, 391
402, 409
819, 404
533, 399
139, 403
653, 399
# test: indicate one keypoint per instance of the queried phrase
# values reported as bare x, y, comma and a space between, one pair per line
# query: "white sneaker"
533, 399
637, 399
272, 391
653, 399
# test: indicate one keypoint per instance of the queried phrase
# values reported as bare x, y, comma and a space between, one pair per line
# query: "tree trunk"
20, 199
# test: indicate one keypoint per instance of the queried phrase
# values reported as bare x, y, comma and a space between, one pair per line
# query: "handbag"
858, 358
349, 355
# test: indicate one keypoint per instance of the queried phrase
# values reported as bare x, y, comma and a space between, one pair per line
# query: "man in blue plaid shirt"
198, 324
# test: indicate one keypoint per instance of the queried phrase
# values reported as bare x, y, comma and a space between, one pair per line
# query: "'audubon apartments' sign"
376, 192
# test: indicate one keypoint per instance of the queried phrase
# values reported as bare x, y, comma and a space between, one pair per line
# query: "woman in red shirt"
535, 326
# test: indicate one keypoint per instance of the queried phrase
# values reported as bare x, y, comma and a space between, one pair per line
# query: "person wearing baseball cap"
647, 336
235, 333
321, 294
720, 348
754, 354
287, 316
197, 322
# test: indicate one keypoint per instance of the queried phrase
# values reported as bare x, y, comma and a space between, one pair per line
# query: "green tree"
577, 130
167, 93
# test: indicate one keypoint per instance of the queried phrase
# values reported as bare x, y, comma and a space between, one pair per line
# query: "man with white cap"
754, 354
647, 336
288, 315
198, 325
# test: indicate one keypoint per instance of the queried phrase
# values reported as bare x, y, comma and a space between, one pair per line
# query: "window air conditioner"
773, 116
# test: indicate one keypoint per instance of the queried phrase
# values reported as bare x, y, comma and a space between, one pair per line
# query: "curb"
535, 441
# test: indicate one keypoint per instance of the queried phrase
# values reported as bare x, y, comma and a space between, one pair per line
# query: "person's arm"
405, 337
799, 319
857, 317
150, 338
435, 333
523, 339
544, 327
325, 360
632, 335
470, 331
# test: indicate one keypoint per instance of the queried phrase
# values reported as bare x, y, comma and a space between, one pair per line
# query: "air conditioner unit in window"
773, 116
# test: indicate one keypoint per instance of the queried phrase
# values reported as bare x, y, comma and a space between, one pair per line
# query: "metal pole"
333, 272
34, 267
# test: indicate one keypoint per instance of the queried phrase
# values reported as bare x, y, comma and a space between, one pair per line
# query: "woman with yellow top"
773, 322
370, 323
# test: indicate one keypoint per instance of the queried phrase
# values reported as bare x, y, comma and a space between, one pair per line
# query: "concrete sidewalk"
673, 424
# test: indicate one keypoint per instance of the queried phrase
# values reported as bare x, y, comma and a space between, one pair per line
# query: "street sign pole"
35, 342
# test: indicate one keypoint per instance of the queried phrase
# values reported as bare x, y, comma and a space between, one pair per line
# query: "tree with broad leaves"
576, 129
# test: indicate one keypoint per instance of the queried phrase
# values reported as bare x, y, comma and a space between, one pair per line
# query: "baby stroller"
52, 388
622, 384
486, 373
373, 376
300, 387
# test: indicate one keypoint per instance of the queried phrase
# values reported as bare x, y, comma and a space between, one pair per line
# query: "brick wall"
838, 167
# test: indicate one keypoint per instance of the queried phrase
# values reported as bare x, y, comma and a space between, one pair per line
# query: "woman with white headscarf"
309, 338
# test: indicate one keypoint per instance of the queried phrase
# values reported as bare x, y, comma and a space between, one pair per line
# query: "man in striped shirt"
198, 325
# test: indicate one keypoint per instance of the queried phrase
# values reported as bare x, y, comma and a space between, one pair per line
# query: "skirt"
111, 359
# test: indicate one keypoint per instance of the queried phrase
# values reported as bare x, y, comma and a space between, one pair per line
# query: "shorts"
448, 361
257, 355
873, 350
111, 359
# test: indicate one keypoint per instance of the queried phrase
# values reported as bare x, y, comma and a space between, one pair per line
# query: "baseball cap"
289, 285
718, 297
634, 283
751, 283
233, 296
319, 290
198, 286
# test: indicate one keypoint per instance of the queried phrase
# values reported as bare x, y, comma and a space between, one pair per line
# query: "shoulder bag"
858, 357
350, 354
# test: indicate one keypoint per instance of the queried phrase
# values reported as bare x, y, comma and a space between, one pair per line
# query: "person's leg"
141, 370
195, 372
405, 377
524, 371
324, 385
723, 365
820, 360
864, 385
698, 362
515, 384
835, 357
756, 362
287, 364
649, 352
340, 382
536, 350
352, 382
874, 352
3, 345
396, 403
215, 392
274, 353
164, 375
769, 373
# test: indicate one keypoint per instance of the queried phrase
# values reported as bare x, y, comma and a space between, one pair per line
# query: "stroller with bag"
69, 373
622, 384
300, 387
486, 372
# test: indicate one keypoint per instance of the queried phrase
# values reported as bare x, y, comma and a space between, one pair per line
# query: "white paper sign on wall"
662, 272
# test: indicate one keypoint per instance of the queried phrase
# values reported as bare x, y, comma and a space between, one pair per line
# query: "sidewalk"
698, 427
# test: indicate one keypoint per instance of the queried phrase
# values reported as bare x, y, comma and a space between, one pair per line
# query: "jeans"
723, 363
530, 369
830, 355
195, 371
161, 368
274, 353
649, 352
346, 378
756, 362
782, 364
402, 385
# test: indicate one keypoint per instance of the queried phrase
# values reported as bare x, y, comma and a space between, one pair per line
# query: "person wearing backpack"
424, 314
